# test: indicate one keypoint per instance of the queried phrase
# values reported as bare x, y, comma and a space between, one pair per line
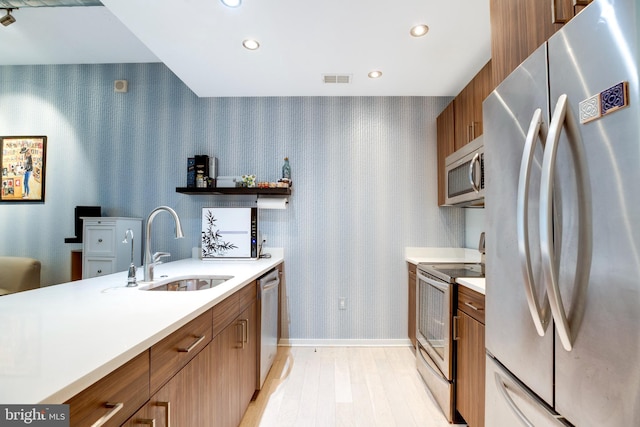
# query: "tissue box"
228, 181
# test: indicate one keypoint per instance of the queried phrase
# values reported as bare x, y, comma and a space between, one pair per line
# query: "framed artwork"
22, 168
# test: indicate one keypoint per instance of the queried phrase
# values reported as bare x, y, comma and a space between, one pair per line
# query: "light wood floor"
344, 386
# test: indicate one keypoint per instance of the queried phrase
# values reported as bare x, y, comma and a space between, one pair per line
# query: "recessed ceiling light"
231, 3
419, 30
374, 74
251, 44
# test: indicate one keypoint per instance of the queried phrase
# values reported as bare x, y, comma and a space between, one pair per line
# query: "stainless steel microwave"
464, 185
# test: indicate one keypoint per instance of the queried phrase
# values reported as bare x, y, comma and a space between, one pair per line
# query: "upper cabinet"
461, 121
468, 107
520, 27
517, 29
446, 145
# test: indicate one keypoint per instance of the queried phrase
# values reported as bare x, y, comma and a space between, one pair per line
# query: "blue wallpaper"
364, 174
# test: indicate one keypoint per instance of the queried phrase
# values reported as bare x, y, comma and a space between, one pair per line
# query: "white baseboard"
288, 342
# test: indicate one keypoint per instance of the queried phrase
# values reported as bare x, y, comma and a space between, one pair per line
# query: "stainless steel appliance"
464, 185
229, 233
436, 300
268, 295
562, 137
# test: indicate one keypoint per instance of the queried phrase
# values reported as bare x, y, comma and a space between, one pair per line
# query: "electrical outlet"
342, 303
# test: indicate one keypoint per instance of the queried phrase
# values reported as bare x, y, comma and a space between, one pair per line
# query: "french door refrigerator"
562, 212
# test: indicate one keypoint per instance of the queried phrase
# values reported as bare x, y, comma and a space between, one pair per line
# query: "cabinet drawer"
98, 267
247, 295
471, 302
175, 351
127, 388
100, 240
224, 313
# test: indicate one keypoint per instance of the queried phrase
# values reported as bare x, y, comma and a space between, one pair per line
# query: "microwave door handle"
540, 316
472, 175
549, 264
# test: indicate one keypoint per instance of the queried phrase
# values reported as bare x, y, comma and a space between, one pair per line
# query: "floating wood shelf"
234, 190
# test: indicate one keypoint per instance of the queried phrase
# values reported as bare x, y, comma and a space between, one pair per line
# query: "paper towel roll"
272, 203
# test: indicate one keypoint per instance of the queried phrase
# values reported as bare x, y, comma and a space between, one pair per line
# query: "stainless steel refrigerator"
562, 209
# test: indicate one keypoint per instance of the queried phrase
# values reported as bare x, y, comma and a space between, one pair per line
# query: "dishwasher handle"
270, 280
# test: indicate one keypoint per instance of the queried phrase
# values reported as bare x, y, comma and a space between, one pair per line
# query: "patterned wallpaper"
363, 170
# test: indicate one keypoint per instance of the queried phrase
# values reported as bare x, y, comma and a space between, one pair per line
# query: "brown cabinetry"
412, 303
235, 353
446, 145
520, 27
185, 400
468, 107
115, 397
192, 378
175, 351
470, 365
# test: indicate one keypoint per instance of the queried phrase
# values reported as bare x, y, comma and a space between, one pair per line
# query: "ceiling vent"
336, 78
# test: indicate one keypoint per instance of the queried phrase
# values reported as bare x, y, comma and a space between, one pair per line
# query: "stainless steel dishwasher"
268, 295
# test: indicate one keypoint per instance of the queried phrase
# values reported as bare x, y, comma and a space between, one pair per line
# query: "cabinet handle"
99, 240
167, 412
470, 133
556, 18
245, 331
456, 337
468, 304
147, 421
192, 346
115, 408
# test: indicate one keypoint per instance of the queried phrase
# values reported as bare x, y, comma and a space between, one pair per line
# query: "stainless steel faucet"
149, 260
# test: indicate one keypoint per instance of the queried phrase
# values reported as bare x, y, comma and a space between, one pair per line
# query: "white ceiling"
201, 42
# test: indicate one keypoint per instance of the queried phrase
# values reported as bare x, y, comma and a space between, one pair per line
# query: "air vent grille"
336, 78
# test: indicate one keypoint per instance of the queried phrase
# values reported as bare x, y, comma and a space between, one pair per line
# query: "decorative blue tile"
613, 98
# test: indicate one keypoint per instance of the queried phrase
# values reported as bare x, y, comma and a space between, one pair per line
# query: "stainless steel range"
436, 302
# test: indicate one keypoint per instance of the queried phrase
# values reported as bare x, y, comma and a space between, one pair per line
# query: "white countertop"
58, 340
416, 255
473, 283
433, 255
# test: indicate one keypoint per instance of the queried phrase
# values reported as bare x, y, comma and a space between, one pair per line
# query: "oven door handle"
441, 285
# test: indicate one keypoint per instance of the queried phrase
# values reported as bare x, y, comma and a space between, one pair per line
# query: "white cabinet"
103, 250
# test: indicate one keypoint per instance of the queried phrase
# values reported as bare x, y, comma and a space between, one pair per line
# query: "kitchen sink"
188, 284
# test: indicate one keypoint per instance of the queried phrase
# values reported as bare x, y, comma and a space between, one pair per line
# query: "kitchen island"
57, 341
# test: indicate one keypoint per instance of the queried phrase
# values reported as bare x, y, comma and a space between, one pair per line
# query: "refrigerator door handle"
549, 265
540, 316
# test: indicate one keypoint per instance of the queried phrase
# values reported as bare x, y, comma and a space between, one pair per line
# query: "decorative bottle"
286, 169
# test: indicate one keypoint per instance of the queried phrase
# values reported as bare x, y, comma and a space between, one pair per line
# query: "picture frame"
22, 169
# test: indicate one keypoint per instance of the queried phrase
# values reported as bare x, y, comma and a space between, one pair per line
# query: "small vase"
286, 169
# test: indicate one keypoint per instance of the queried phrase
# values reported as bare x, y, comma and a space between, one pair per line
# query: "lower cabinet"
412, 304
111, 400
185, 400
470, 368
187, 379
235, 356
